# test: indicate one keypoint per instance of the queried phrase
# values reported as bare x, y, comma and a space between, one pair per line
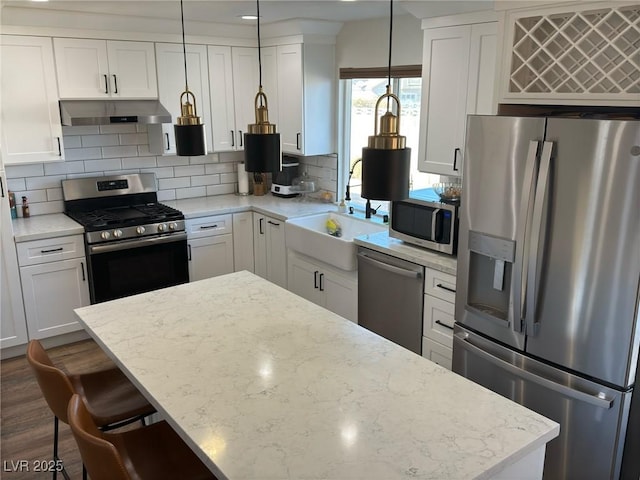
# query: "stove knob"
140, 230
105, 235
117, 233
173, 226
162, 227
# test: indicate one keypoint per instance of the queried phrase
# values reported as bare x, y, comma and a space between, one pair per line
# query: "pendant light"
386, 162
261, 142
189, 129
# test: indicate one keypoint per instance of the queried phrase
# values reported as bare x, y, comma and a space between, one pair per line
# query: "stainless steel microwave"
423, 220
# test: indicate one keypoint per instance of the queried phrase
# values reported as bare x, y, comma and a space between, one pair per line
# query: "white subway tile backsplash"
192, 192
201, 180
35, 170
167, 183
172, 161
88, 130
116, 149
165, 195
189, 171
121, 128
103, 165
39, 183
99, 140
134, 139
82, 153
120, 151
165, 172
139, 162
54, 194
221, 189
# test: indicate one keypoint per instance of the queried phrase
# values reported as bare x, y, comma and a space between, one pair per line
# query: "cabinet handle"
321, 282
315, 279
444, 325
298, 141
168, 143
84, 278
1, 187
115, 83
233, 138
261, 229
189, 251
59, 147
455, 159
445, 288
52, 250
273, 223
106, 84
207, 227
240, 142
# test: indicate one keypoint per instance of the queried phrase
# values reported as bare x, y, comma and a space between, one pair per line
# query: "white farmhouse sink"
308, 235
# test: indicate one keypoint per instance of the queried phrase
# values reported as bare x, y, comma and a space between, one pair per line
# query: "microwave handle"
434, 218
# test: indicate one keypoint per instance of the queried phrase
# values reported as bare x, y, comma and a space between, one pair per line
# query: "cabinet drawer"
50, 250
440, 285
438, 320
437, 353
208, 226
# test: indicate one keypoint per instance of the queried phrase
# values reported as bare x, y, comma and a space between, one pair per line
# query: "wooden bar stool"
147, 453
111, 399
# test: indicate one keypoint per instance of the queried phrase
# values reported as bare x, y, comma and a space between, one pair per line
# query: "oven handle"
137, 243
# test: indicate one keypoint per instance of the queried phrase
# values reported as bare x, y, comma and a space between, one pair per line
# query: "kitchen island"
263, 384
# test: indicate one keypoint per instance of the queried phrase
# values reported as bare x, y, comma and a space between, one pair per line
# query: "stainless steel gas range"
134, 244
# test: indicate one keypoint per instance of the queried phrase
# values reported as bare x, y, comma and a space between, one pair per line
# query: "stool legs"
56, 459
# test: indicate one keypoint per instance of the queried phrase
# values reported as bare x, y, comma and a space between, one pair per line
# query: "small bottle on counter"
25, 208
12, 204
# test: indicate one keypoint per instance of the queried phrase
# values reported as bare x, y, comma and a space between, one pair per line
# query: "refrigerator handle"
600, 400
520, 266
537, 235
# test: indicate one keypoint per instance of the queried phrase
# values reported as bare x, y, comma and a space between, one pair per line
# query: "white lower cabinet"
324, 285
210, 246
437, 328
270, 254
243, 242
54, 282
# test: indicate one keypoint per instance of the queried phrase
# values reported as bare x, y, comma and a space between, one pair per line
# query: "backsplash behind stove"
116, 149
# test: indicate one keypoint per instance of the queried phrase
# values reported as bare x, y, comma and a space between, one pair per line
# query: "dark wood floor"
26, 423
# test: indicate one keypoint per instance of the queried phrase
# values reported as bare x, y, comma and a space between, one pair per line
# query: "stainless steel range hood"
108, 112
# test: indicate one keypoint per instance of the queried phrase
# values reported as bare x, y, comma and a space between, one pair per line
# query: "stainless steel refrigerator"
548, 281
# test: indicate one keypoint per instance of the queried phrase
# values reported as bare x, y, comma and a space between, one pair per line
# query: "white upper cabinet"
31, 129
171, 84
233, 76
105, 69
458, 74
579, 54
306, 94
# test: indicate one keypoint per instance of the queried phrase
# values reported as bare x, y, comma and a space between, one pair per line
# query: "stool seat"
145, 453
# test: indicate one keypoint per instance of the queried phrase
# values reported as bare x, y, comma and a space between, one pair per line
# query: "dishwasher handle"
390, 268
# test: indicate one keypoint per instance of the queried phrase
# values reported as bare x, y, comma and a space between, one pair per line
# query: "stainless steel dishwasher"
390, 298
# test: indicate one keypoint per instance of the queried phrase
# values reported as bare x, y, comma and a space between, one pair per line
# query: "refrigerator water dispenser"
490, 267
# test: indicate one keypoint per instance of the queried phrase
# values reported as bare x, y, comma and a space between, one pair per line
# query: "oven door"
129, 267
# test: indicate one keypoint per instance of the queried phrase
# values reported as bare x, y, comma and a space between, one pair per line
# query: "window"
359, 97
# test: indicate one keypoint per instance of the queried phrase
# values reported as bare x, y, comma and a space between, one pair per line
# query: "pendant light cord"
390, 45
259, 48
184, 48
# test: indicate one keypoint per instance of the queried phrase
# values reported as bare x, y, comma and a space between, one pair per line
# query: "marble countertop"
264, 384
383, 243
53, 225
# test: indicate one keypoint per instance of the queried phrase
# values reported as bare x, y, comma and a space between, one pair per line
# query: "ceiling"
230, 11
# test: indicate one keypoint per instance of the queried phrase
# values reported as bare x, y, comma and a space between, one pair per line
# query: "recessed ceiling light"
39, 0
249, 17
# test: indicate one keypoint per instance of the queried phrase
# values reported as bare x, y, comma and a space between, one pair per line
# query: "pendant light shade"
262, 149
189, 129
386, 162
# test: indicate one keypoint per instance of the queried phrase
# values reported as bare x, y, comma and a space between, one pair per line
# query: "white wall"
366, 43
